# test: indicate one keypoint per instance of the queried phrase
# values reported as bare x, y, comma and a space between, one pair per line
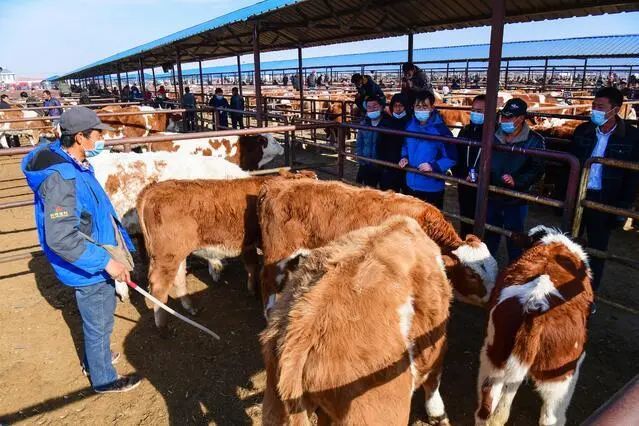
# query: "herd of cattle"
356, 283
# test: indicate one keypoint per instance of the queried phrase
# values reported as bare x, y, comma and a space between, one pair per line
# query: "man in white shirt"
606, 135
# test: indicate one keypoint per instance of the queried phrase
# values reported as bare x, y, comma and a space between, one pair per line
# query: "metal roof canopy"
289, 24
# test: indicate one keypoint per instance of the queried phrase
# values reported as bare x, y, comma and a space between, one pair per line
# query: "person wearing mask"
285, 80
514, 171
366, 88
4, 102
134, 93
414, 81
188, 103
427, 155
50, 101
606, 135
295, 81
237, 102
162, 92
366, 144
219, 101
82, 237
389, 147
467, 166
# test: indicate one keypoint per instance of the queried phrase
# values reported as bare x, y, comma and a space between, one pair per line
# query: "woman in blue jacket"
427, 155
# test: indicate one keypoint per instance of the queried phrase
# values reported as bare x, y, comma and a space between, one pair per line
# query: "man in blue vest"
78, 230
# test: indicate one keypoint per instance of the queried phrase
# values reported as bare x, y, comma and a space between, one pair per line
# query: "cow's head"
270, 149
472, 271
284, 270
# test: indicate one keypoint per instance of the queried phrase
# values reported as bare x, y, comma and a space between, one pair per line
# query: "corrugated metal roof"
286, 24
572, 47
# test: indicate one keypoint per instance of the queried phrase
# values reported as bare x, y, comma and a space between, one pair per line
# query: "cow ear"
296, 259
450, 261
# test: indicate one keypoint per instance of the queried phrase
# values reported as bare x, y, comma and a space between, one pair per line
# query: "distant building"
6, 76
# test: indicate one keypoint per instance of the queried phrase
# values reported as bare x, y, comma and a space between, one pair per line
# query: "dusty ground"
191, 379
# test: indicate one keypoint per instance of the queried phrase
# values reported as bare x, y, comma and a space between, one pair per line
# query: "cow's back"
208, 210
312, 213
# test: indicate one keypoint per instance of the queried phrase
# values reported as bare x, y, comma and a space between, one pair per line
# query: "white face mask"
400, 115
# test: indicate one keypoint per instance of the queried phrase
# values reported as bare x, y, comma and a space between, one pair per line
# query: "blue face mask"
477, 118
400, 115
219, 97
598, 117
99, 147
422, 116
374, 115
508, 127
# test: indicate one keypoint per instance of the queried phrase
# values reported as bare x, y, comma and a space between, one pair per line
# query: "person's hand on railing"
425, 167
403, 162
508, 180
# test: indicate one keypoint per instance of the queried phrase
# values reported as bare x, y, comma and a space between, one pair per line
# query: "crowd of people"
414, 110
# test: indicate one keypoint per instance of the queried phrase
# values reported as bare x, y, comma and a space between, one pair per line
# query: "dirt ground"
191, 379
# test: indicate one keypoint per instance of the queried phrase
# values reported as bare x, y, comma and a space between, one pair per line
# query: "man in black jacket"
606, 135
366, 88
467, 165
513, 171
389, 147
414, 81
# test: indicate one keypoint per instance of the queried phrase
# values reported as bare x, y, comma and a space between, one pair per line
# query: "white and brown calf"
536, 329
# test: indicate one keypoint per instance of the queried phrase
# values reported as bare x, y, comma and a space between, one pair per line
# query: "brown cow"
537, 329
215, 219
308, 214
360, 325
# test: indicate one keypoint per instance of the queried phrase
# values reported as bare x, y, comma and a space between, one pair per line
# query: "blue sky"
44, 37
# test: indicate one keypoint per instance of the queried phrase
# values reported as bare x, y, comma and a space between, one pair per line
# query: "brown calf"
360, 325
537, 329
308, 214
214, 218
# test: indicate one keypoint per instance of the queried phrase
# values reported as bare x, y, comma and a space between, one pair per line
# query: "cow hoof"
193, 311
439, 421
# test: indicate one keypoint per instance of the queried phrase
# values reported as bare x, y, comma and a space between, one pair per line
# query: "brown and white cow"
360, 325
308, 214
250, 152
124, 175
32, 130
214, 219
135, 125
537, 329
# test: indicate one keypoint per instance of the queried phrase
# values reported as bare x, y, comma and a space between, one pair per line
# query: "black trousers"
189, 120
467, 198
369, 175
434, 198
598, 227
236, 120
392, 179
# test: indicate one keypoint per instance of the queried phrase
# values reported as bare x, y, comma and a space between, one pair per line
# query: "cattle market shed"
273, 25
596, 55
